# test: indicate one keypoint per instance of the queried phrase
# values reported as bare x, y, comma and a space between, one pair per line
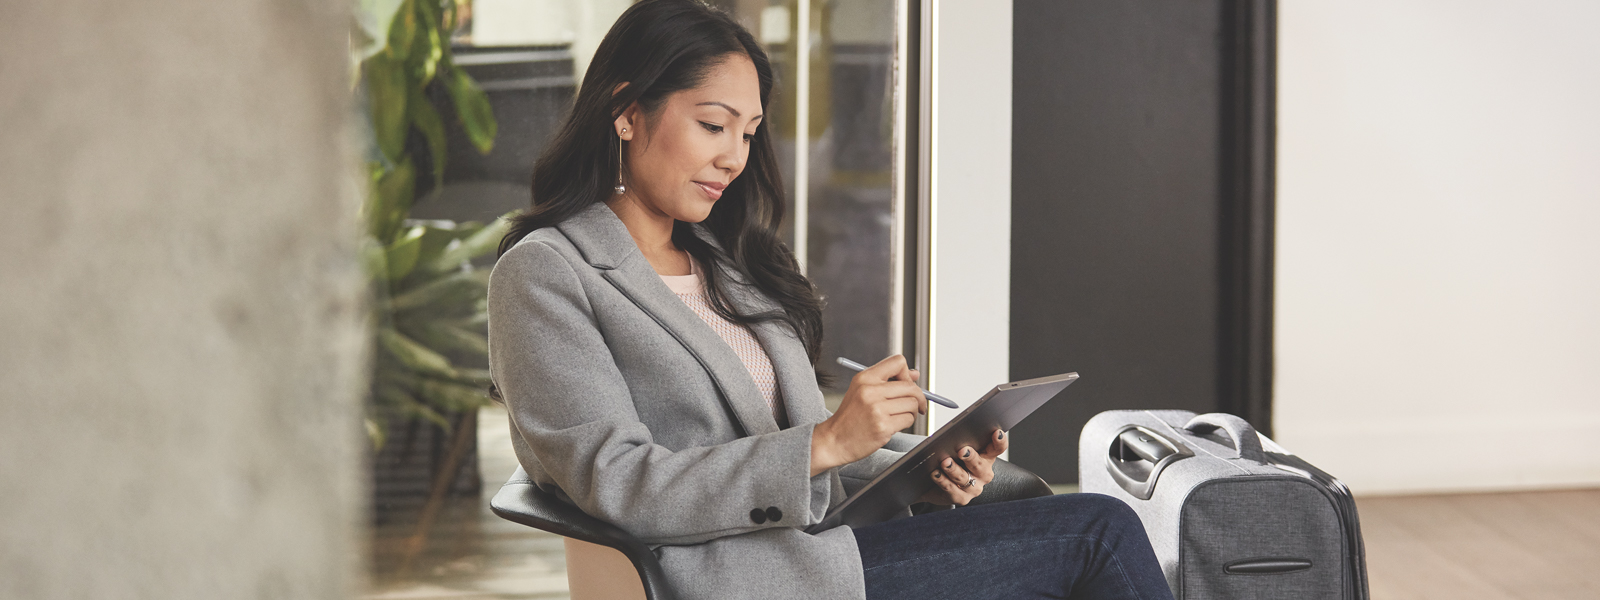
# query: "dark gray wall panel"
1115, 212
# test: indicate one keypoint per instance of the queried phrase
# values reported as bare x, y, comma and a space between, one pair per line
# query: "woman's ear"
623, 125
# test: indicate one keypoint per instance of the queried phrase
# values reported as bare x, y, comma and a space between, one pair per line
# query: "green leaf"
433, 52
477, 377
452, 396
427, 120
388, 88
429, 49
401, 256
392, 374
395, 191
473, 108
401, 401
441, 335
414, 355
391, 397
438, 295
467, 228
403, 31
481, 242
438, 236
472, 323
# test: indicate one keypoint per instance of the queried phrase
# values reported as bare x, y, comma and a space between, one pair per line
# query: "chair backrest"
521, 501
596, 572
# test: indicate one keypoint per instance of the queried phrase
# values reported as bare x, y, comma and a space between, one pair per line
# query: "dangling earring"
620, 189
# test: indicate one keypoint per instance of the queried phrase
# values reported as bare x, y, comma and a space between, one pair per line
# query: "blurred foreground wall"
180, 314
1438, 268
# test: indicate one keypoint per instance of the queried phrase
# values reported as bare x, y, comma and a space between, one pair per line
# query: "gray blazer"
628, 405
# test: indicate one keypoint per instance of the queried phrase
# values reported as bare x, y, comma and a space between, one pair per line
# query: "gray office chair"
520, 501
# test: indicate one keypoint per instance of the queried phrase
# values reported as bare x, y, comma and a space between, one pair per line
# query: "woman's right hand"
882, 400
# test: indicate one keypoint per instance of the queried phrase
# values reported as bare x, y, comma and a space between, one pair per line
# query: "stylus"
858, 367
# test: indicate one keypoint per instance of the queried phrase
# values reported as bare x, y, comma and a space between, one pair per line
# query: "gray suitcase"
1232, 515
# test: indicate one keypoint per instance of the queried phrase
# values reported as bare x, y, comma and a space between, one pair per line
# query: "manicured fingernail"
938, 475
966, 453
1000, 435
947, 463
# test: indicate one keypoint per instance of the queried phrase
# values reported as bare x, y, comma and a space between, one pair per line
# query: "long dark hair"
659, 47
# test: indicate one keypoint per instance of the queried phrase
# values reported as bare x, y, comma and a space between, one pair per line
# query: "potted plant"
428, 319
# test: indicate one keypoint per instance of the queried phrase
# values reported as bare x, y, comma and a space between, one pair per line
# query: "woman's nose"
732, 159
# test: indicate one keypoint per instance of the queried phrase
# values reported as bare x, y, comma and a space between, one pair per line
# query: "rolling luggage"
1231, 515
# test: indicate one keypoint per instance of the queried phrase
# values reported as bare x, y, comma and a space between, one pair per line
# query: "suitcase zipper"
1344, 505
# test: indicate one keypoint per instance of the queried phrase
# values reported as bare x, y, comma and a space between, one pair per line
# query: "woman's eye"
748, 137
711, 128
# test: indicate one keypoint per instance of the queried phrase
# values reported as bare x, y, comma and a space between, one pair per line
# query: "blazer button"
758, 515
773, 514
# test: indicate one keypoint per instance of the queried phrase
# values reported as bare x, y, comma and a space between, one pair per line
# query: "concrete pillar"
181, 348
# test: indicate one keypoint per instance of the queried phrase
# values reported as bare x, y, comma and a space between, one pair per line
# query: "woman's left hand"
960, 479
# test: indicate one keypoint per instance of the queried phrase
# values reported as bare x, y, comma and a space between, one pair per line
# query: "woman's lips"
711, 192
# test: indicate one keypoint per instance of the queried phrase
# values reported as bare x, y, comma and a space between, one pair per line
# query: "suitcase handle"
1246, 444
1138, 456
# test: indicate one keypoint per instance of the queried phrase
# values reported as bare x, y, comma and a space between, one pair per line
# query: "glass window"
841, 95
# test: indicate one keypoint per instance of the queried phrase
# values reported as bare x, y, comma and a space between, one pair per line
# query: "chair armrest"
1011, 482
521, 501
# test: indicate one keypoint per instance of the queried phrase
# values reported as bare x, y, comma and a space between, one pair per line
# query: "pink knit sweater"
691, 288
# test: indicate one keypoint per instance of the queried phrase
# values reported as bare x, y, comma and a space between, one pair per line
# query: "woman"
656, 346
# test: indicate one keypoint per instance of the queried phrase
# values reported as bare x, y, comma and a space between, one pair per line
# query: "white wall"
971, 280
1438, 274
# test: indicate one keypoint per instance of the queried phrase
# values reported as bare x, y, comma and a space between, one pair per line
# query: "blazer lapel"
604, 241
797, 382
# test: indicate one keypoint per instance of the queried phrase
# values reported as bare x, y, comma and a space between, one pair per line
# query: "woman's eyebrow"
729, 108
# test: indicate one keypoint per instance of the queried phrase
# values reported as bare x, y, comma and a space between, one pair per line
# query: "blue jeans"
1076, 546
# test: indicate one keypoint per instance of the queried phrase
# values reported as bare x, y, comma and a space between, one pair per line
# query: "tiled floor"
1507, 546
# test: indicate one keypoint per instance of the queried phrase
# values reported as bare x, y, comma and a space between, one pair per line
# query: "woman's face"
678, 162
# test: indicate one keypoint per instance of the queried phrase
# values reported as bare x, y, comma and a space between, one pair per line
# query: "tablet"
910, 477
